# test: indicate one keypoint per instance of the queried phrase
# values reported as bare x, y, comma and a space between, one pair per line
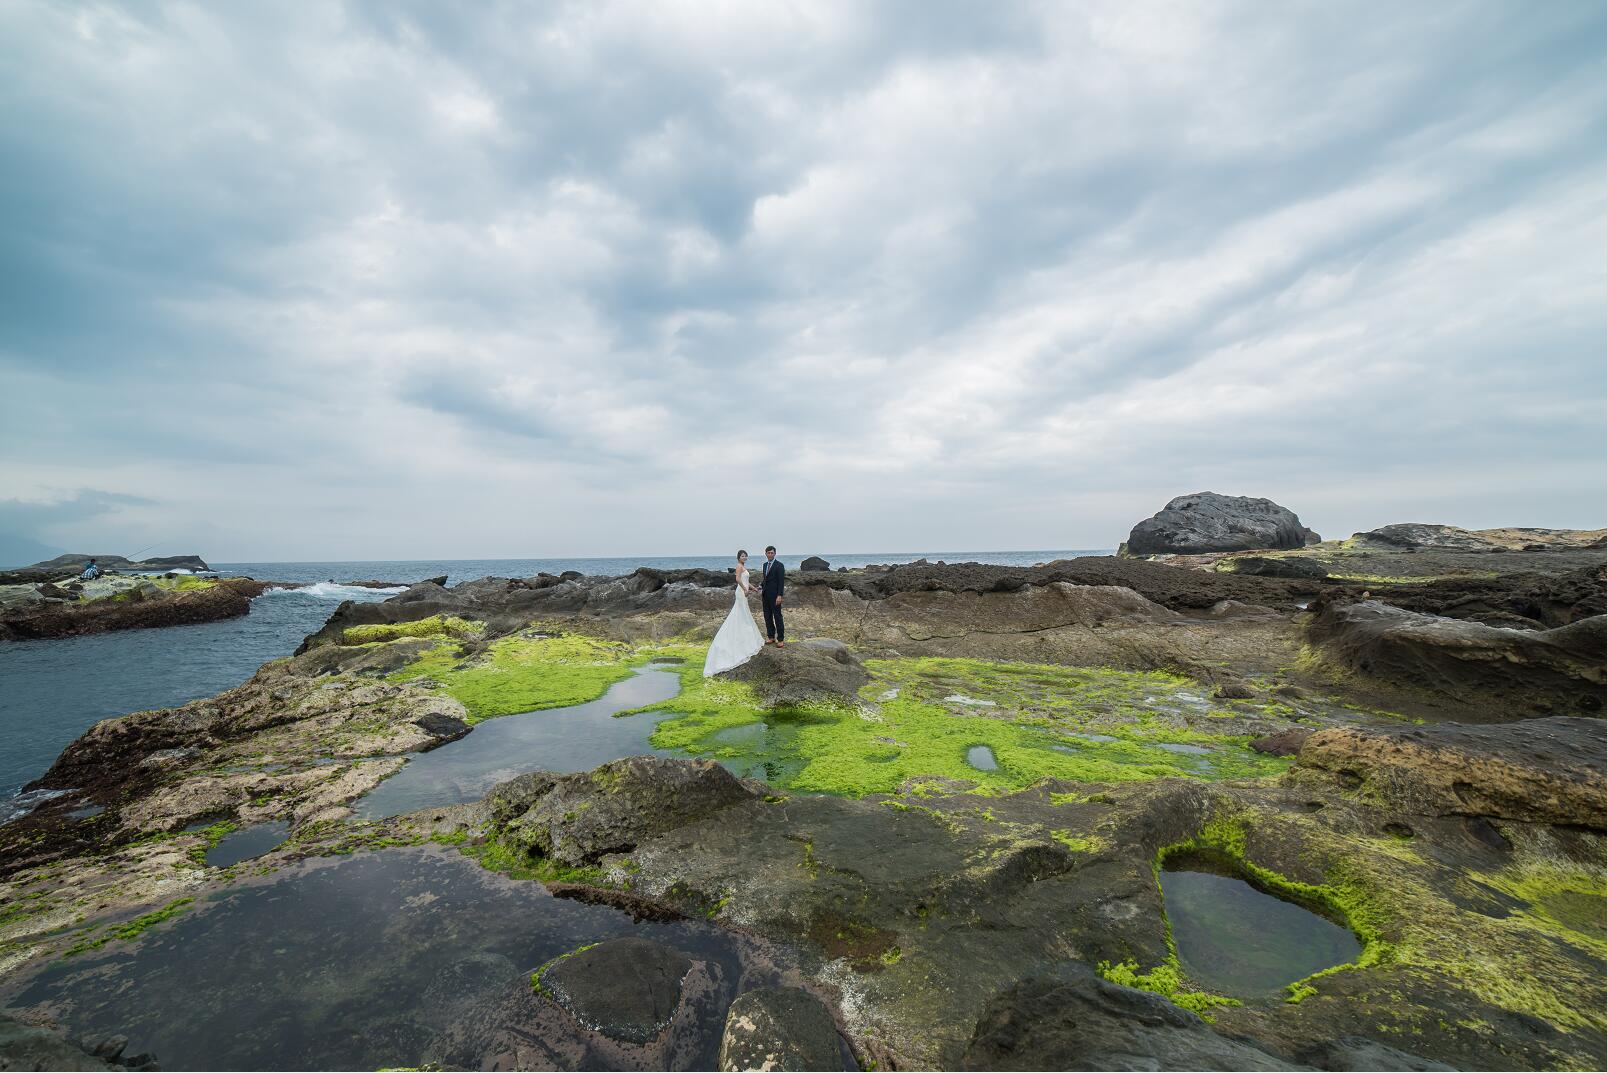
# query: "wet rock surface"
1207, 521
27, 1047
780, 1028
627, 989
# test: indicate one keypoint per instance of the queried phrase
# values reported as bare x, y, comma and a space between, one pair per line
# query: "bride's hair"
741, 555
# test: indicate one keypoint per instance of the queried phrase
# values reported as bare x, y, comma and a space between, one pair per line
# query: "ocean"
52, 691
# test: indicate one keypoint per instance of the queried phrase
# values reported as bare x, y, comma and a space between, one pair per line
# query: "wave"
334, 590
22, 804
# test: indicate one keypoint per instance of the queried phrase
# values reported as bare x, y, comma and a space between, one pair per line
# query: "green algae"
511, 861
535, 977
210, 837
434, 626
1167, 980
938, 710
132, 929
523, 673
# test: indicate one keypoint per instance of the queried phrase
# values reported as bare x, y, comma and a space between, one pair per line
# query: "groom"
775, 583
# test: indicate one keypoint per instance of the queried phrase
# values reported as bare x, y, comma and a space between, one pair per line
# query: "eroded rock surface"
1526, 671
1541, 770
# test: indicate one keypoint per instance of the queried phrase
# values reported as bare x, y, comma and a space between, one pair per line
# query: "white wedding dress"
739, 636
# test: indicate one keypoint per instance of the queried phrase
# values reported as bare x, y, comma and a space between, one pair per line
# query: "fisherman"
91, 572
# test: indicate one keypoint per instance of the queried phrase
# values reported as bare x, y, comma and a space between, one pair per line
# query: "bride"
739, 637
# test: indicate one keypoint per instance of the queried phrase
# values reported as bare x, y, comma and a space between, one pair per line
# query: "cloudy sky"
395, 280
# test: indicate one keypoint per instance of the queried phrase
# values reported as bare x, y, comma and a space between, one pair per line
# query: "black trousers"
774, 628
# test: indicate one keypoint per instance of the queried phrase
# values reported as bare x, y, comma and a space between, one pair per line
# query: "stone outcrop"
63, 566
814, 562
142, 609
575, 819
1524, 672
1541, 770
780, 1028
1206, 521
1424, 535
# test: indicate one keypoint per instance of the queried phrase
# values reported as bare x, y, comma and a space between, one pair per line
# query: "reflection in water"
394, 958
248, 843
981, 757
577, 738
1237, 940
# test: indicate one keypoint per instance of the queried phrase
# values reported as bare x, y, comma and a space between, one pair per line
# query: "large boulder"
1084, 1022
1539, 770
819, 669
780, 1028
814, 562
1206, 521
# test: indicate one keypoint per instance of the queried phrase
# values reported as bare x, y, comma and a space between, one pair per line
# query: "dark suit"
775, 583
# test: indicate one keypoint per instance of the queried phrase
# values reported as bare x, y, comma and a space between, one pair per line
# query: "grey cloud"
905, 252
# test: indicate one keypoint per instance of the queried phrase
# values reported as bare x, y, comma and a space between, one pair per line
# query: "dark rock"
814, 562
1233, 689
780, 1028
1360, 1054
1283, 743
1269, 566
816, 669
1206, 521
1085, 1022
1539, 770
23, 1046
614, 807
1514, 672
627, 989
442, 727
54, 592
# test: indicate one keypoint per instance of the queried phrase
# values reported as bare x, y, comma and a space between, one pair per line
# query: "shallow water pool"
1243, 942
577, 738
401, 957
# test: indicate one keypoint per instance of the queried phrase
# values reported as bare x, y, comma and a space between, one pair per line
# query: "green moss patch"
434, 626
526, 672
924, 717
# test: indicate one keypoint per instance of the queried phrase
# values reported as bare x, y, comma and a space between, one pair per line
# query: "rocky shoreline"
948, 806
